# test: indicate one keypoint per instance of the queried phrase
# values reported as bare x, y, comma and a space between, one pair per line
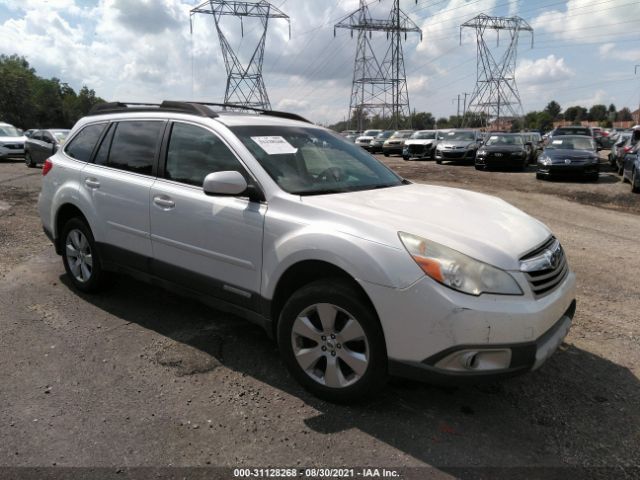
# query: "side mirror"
224, 183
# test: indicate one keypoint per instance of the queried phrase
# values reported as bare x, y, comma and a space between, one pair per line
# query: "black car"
376, 143
503, 150
569, 155
42, 144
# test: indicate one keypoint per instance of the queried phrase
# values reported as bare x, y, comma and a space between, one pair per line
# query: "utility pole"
379, 87
464, 106
635, 71
245, 85
496, 91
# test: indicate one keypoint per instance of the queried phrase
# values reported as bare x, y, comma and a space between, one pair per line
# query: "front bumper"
392, 149
506, 160
6, 153
425, 325
455, 155
568, 170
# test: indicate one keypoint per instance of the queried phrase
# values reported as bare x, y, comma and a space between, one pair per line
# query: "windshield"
61, 135
384, 135
311, 161
459, 135
572, 131
9, 131
571, 143
424, 135
401, 135
504, 140
370, 133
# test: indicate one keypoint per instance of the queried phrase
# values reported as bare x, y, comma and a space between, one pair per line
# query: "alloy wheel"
330, 345
79, 255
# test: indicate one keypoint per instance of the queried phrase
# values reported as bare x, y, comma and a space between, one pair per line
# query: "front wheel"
405, 157
80, 257
332, 342
635, 182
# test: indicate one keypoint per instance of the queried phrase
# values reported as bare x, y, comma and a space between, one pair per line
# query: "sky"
584, 51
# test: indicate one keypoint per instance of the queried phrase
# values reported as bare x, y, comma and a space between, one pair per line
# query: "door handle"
164, 202
92, 183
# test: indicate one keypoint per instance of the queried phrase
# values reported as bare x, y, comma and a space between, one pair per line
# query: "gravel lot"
139, 377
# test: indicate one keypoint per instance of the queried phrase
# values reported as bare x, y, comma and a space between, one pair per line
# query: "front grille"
364, 141
546, 278
450, 154
417, 149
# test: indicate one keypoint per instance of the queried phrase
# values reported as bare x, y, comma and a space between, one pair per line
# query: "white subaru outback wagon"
358, 273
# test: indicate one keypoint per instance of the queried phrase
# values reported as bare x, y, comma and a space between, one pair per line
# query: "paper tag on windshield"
557, 142
274, 145
493, 138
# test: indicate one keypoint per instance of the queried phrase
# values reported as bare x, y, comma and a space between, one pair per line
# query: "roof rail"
272, 113
194, 108
166, 106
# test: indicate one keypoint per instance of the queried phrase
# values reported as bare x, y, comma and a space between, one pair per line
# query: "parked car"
395, 143
345, 268
378, 142
534, 144
366, 138
458, 145
11, 142
42, 144
569, 155
618, 148
421, 144
571, 130
631, 168
503, 150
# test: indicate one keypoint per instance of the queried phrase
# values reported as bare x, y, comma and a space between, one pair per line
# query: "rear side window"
134, 146
194, 153
84, 142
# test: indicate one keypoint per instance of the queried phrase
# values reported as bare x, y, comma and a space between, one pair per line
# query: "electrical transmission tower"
245, 85
379, 87
495, 95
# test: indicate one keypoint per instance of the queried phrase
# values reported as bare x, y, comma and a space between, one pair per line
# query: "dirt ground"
137, 376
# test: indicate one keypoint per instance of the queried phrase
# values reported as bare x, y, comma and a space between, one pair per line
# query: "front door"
212, 244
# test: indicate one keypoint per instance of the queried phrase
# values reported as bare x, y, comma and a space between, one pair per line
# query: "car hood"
481, 226
503, 148
13, 139
420, 141
457, 143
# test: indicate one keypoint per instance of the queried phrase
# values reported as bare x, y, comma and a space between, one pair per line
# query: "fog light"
471, 360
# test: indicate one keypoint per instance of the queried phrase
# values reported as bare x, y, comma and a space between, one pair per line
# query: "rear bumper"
525, 357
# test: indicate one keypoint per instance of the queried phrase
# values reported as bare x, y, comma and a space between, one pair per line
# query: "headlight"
482, 153
544, 160
456, 270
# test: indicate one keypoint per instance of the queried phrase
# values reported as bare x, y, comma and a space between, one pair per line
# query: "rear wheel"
635, 182
28, 160
331, 341
80, 256
439, 162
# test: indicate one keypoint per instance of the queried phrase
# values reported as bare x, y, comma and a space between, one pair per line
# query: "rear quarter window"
82, 145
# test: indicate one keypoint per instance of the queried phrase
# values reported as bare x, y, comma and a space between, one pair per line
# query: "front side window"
194, 152
311, 161
82, 145
134, 146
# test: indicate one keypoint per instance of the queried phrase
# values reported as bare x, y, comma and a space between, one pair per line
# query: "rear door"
208, 243
119, 181
46, 146
36, 146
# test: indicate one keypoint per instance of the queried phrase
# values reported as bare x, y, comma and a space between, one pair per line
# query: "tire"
635, 182
87, 275
405, 157
367, 353
479, 167
439, 162
386, 154
28, 160
538, 176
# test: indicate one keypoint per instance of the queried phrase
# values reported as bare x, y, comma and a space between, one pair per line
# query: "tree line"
30, 101
535, 120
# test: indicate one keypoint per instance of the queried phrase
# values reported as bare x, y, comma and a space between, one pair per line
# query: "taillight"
626, 149
46, 168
